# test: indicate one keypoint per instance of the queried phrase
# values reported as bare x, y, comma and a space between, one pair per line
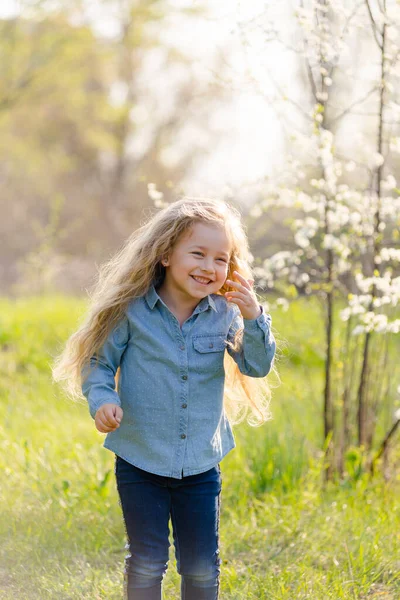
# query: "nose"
208, 265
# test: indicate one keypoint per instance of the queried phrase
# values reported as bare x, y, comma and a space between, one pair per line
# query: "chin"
201, 294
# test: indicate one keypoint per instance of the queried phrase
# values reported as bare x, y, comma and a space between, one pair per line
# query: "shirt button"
184, 405
183, 436
184, 377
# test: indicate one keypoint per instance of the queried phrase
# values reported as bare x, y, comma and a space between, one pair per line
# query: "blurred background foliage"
86, 121
100, 98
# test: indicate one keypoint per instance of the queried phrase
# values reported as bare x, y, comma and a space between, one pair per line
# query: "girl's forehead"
207, 234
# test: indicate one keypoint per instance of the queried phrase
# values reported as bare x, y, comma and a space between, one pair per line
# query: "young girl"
150, 360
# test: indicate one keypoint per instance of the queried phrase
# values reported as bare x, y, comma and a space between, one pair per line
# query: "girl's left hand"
244, 297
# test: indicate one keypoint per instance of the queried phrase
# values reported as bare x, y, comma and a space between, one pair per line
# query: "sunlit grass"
282, 535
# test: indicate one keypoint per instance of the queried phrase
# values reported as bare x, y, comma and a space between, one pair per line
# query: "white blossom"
377, 159
328, 241
394, 326
256, 211
345, 314
153, 193
395, 144
350, 166
358, 330
392, 254
389, 183
283, 302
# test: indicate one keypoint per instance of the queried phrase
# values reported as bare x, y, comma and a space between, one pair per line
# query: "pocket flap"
209, 343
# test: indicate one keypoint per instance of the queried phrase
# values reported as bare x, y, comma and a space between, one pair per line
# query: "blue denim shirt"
171, 382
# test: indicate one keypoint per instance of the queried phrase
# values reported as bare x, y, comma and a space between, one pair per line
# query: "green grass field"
283, 536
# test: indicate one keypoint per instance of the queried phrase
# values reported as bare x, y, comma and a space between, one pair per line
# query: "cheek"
223, 271
185, 262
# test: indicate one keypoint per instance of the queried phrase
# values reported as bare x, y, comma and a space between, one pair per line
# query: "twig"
384, 445
359, 101
374, 26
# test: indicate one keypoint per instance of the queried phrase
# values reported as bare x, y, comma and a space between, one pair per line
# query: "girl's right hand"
108, 417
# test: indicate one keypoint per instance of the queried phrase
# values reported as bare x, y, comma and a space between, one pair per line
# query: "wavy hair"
130, 273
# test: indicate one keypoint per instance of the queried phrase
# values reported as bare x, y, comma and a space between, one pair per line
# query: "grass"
283, 536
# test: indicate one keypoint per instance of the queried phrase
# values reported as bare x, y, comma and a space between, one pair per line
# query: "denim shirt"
171, 381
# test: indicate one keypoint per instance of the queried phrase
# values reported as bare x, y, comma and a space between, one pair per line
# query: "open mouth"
201, 280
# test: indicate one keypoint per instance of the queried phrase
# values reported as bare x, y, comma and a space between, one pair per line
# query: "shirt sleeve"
256, 352
98, 376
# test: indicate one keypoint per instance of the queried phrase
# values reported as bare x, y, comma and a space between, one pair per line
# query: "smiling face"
197, 265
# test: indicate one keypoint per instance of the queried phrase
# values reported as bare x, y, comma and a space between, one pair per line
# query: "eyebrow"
204, 248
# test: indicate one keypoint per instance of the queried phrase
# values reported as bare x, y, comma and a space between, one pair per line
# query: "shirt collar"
152, 297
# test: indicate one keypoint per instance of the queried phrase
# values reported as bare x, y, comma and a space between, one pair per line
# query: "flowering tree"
346, 217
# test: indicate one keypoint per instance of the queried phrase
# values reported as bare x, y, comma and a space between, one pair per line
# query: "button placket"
183, 414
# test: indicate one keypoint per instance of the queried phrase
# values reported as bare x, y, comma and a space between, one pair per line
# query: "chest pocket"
209, 352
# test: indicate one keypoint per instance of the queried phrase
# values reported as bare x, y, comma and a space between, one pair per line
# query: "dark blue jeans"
193, 503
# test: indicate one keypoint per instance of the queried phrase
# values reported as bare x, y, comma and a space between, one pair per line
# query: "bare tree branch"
375, 30
293, 102
344, 31
280, 91
308, 64
359, 101
384, 445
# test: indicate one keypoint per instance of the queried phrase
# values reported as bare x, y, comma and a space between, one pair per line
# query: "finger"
239, 285
239, 302
102, 422
238, 295
103, 428
243, 280
109, 417
248, 294
236, 285
118, 414
106, 427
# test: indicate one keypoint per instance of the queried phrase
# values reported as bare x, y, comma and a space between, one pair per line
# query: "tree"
85, 127
346, 231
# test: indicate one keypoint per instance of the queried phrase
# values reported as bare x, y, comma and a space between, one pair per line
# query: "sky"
249, 143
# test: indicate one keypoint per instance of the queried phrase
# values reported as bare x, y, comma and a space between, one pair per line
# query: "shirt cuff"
260, 321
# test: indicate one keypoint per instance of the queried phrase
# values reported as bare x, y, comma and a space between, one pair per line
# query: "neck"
181, 307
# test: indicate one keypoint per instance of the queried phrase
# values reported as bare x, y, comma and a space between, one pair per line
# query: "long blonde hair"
130, 273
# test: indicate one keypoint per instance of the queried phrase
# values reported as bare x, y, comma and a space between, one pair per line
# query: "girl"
150, 360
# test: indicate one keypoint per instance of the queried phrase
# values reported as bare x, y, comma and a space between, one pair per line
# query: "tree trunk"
376, 237
328, 408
